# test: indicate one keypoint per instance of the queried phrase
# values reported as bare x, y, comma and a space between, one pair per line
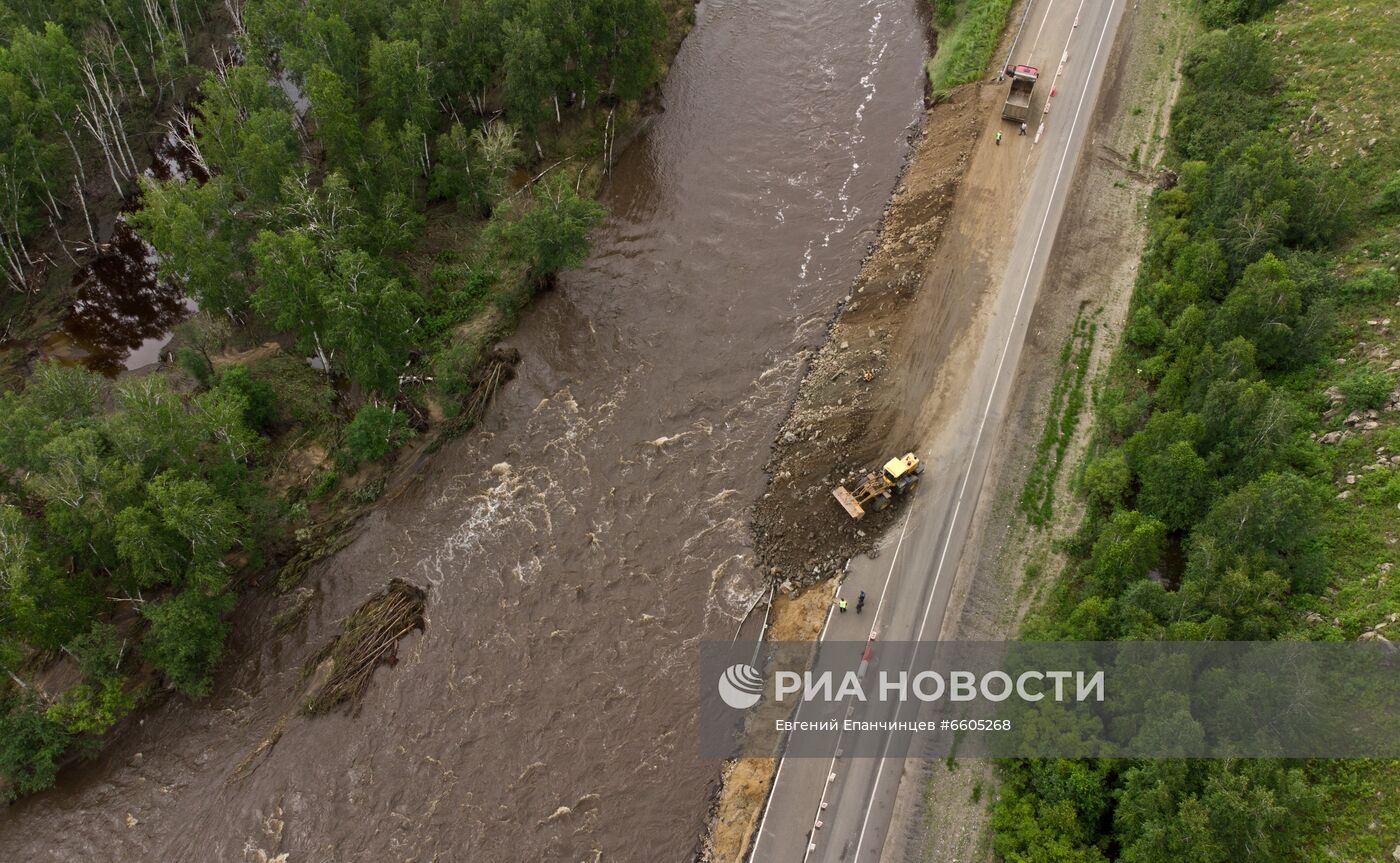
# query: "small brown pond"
122, 314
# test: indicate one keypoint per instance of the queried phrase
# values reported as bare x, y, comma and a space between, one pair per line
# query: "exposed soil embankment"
801, 533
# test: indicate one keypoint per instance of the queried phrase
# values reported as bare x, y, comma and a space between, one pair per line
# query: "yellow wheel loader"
876, 489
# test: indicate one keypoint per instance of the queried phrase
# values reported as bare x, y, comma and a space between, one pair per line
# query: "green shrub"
302, 396
550, 233
374, 432
257, 393
1128, 547
1121, 406
1387, 202
98, 651
195, 365
1381, 488
459, 292
31, 744
1375, 284
92, 708
1176, 486
452, 373
1145, 329
64, 392
187, 637
1106, 480
1366, 389
322, 483
1230, 92
1219, 14
968, 32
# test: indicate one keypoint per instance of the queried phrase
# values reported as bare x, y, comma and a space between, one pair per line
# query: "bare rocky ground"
801, 533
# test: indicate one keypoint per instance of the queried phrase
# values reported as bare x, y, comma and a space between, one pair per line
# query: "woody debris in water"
341, 670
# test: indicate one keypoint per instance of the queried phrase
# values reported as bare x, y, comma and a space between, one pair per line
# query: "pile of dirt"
802, 534
341, 670
745, 784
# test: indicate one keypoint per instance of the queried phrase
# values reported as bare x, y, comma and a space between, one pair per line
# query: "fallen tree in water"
341, 670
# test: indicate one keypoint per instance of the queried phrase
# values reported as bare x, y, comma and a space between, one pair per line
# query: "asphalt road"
909, 584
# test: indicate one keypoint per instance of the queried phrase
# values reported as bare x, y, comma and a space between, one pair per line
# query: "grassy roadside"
968, 32
1061, 422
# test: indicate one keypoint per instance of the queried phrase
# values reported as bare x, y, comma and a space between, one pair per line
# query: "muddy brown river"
580, 543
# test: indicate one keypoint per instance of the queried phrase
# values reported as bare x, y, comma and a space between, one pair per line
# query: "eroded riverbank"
832, 432
588, 536
803, 536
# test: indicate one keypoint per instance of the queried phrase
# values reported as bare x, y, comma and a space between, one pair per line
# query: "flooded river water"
580, 543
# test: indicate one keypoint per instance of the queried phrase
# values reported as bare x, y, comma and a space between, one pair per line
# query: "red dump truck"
1018, 101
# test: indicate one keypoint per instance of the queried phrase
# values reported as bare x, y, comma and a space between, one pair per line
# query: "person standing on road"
842, 605
998, 139
1023, 128
860, 602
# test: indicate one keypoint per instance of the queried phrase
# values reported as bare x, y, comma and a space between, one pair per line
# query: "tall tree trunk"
82, 202
320, 352
73, 148
121, 42
179, 29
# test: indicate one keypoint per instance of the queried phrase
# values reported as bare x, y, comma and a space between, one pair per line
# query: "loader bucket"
848, 502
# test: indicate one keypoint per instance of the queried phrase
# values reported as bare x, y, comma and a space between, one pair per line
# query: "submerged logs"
341, 670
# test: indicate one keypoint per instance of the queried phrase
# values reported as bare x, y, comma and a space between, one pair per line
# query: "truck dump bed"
1018, 101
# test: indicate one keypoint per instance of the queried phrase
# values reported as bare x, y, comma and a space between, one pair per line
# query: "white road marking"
1048, 7
879, 603
773, 789
831, 770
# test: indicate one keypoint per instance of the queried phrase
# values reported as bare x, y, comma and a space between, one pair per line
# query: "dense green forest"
76, 81
307, 215
388, 183
1223, 499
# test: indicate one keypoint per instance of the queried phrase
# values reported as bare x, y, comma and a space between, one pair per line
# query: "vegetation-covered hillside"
1242, 483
